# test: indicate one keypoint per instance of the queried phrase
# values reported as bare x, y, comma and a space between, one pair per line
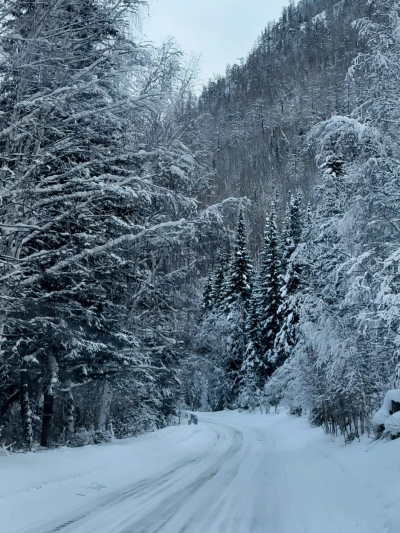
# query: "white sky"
221, 31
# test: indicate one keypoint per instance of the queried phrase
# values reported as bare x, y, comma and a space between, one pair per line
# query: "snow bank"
384, 412
392, 424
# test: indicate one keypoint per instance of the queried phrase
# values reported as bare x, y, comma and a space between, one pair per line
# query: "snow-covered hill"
234, 472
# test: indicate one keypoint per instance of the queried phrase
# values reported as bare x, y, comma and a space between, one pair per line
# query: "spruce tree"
219, 285
238, 291
270, 297
239, 283
207, 294
296, 218
254, 370
285, 243
85, 208
254, 346
289, 284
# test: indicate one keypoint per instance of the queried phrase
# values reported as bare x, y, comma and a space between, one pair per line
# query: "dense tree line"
101, 232
249, 326
236, 250
321, 315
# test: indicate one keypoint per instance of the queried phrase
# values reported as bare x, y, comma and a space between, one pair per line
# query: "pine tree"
238, 291
270, 298
208, 302
238, 286
289, 284
254, 370
220, 282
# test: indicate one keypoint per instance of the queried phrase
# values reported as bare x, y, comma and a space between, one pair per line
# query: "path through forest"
233, 473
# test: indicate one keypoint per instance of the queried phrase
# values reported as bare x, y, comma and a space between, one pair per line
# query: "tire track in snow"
146, 488
159, 517
111, 499
175, 488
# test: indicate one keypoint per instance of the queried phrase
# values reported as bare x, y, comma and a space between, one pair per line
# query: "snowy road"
233, 473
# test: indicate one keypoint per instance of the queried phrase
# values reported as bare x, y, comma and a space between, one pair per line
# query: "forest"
237, 248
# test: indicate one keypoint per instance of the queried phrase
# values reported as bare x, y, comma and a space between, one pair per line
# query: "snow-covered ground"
233, 473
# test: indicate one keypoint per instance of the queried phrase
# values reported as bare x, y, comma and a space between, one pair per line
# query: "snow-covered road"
233, 473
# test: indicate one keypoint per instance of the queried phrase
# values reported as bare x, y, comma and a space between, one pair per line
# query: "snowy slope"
232, 473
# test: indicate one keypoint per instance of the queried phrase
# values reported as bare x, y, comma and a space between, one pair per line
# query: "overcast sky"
222, 31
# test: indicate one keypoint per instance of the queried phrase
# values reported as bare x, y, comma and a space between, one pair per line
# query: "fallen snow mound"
384, 412
392, 424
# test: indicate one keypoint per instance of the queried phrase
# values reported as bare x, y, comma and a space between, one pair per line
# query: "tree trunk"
105, 406
48, 402
26, 413
69, 411
2, 323
48, 407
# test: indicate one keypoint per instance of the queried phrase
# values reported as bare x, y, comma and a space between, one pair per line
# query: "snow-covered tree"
253, 369
93, 206
238, 285
269, 291
220, 281
236, 304
207, 294
290, 283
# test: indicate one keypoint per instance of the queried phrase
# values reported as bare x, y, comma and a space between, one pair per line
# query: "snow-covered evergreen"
156, 246
269, 293
96, 210
290, 282
323, 319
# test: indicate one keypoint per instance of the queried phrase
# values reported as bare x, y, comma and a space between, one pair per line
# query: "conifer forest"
165, 246
236, 249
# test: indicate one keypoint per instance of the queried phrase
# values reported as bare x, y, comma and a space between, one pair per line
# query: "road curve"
233, 473
215, 491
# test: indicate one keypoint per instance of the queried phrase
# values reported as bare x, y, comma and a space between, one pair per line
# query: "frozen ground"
233, 473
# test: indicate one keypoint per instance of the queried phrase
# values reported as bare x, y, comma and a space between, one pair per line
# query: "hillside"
307, 128
252, 122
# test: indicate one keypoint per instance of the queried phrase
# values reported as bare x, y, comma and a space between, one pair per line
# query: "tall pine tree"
254, 369
289, 283
270, 297
236, 305
238, 286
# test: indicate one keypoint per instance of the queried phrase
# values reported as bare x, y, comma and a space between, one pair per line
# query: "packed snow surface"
233, 473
